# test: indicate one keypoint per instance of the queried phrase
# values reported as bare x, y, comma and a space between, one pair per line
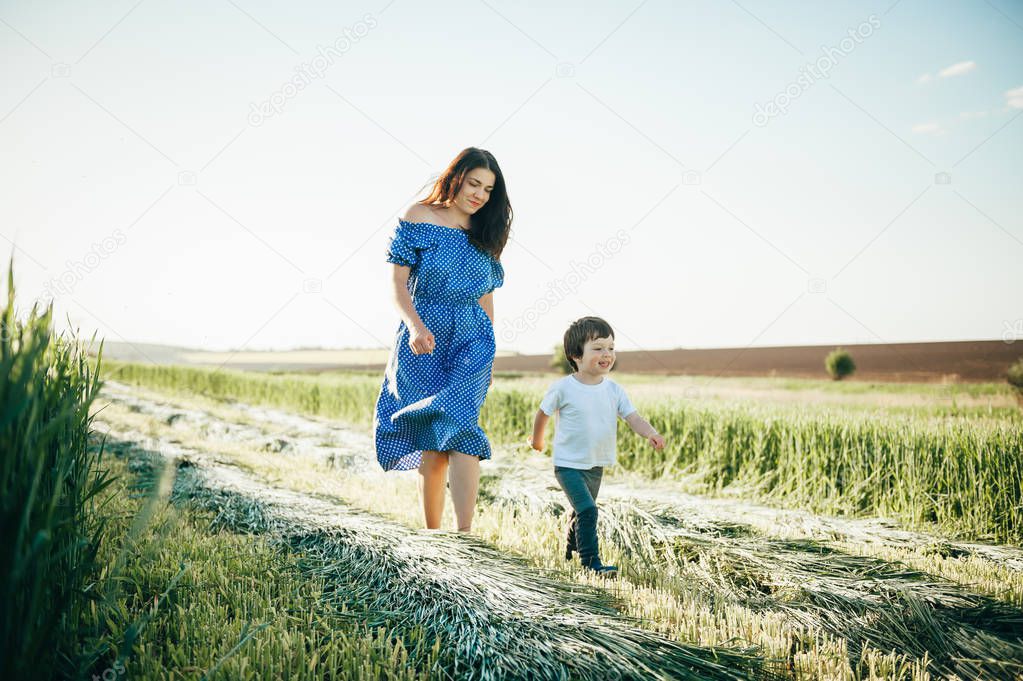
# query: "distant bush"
839, 364
1015, 378
560, 361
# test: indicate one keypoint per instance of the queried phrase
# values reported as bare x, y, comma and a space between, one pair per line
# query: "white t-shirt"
585, 433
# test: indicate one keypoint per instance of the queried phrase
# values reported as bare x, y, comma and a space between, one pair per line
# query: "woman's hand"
538, 445
657, 441
420, 340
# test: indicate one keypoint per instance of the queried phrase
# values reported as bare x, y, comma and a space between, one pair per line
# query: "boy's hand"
657, 440
538, 446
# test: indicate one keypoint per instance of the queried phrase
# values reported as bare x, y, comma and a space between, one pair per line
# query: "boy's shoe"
586, 536
606, 571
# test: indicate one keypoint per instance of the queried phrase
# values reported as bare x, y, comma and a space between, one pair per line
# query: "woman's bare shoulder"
418, 212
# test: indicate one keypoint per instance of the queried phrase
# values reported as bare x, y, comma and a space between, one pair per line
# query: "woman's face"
598, 356
475, 191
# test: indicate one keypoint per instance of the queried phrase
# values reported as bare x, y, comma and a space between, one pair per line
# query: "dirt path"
529, 475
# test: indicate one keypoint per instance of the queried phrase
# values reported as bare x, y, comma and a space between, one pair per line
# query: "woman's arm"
487, 303
403, 299
539, 426
420, 339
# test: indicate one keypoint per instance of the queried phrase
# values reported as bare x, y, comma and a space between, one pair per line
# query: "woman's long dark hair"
490, 226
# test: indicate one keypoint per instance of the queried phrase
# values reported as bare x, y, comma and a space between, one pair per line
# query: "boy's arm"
539, 426
640, 425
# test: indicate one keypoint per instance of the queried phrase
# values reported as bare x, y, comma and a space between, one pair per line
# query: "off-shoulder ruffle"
408, 239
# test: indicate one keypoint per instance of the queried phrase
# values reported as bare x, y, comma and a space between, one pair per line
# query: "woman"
446, 255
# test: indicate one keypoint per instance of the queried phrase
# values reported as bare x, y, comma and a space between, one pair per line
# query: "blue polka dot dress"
432, 401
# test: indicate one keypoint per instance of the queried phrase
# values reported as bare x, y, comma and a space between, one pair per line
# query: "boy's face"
598, 356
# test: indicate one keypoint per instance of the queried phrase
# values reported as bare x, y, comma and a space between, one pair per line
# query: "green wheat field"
167, 522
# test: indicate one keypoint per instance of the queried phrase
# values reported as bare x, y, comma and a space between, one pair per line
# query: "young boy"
588, 404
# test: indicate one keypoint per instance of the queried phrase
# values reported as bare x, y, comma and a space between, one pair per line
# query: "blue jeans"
581, 487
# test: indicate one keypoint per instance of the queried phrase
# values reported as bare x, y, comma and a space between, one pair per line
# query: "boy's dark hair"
582, 330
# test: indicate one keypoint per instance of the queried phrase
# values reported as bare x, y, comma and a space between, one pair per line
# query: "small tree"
1015, 378
560, 361
839, 364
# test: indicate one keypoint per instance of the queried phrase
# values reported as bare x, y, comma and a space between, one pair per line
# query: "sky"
227, 175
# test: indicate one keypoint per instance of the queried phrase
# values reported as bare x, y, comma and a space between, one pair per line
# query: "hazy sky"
700, 174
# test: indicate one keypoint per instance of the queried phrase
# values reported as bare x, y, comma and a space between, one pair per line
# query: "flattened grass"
707, 583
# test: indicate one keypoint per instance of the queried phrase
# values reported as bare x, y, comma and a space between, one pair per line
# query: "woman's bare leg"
432, 478
464, 473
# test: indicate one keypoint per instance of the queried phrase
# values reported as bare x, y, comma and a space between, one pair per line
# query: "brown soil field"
943, 361
952, 361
